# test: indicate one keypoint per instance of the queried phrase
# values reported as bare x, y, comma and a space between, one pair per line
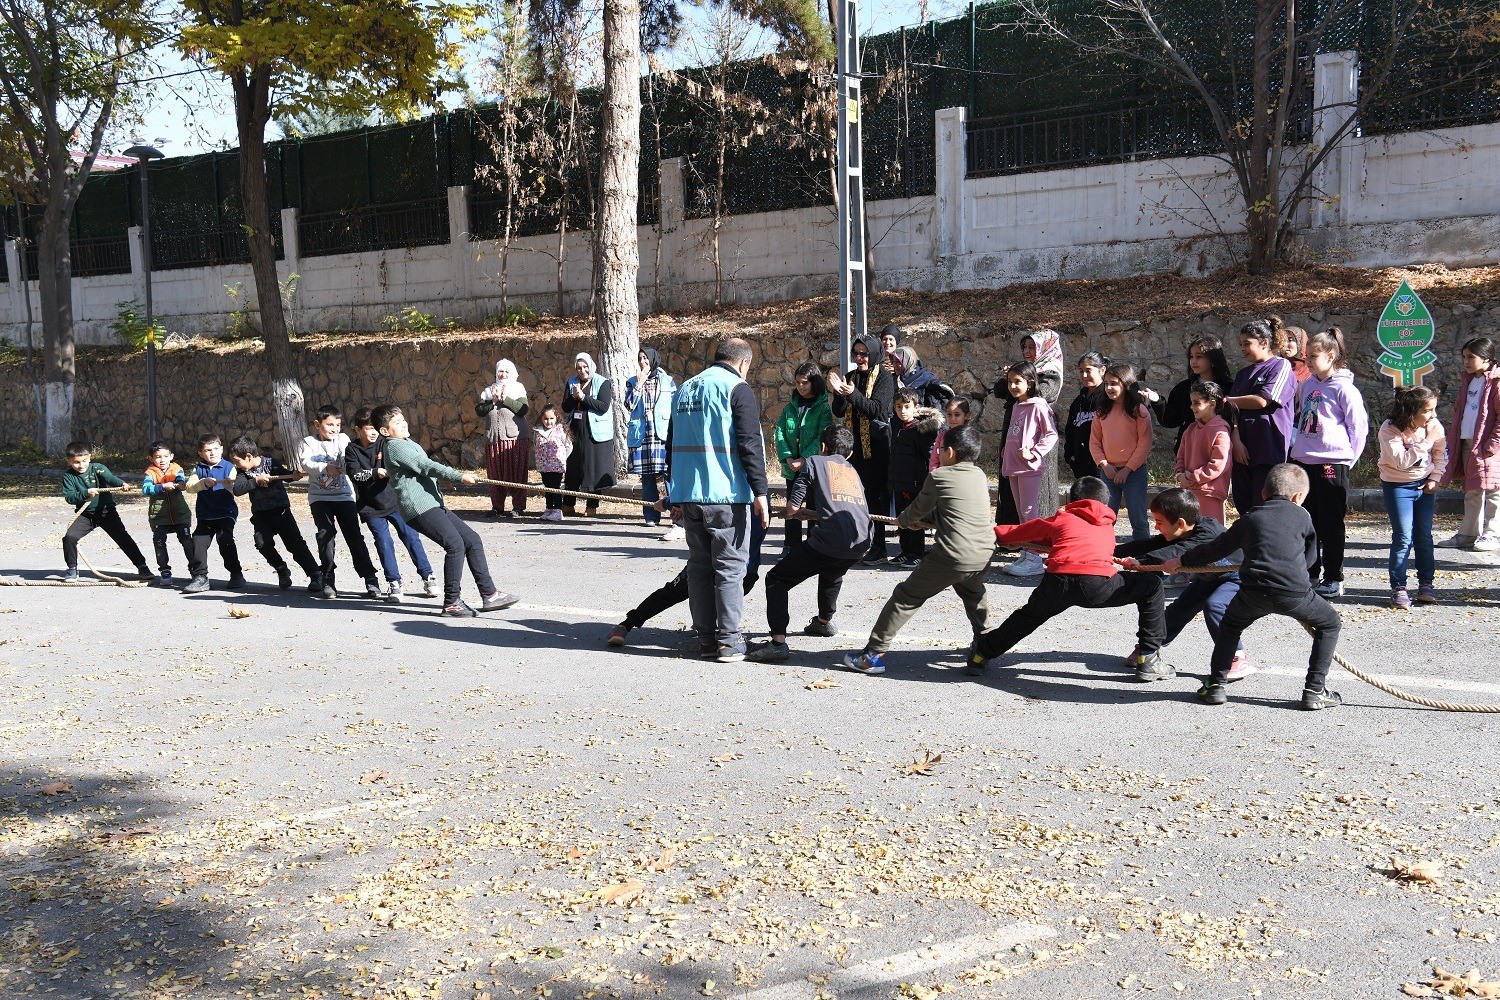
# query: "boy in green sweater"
83, 486
414, 478
956, 500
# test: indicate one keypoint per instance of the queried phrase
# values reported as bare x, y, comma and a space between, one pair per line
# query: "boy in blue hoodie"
211, 482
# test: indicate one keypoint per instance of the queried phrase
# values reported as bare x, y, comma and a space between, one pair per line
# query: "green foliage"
241, 326
413, 320
130, 326
519, 314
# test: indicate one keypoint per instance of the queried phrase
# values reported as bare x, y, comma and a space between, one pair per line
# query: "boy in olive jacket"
956, 500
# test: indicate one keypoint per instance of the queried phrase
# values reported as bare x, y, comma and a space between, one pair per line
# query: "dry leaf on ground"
1426, 872
623, 893
110, 838
236, 611
923, 765
667, 859
823, 684
373, 777
1441, 983
725, 758
57, 787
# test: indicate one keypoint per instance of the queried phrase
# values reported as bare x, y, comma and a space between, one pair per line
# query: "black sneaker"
498, 601
1316, 701
144, 574
165, 579
819, 627
70, 575
1213, 694
327, 591
237, 582
315, 583
975, 662
459, 610
872, 560
1151, 667
284, 578
769, 652
196, 585
372, 586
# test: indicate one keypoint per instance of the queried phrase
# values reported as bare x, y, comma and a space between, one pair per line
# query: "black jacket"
1076, 434
268, 499
1176, 410
1279, 544
869, 418
375, 496
1155, 550
911, 451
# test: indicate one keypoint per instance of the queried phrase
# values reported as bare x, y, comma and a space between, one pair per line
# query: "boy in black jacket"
376, 499
83, 484
912, 436
1179, 527
1280, 547
271, 512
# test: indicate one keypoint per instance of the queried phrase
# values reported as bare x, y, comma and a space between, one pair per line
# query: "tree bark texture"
55, 284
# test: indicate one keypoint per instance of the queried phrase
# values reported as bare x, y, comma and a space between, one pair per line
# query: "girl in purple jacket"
1263, 399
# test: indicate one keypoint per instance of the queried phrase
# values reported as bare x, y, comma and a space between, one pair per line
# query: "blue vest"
635, 430
705, 463
601, 425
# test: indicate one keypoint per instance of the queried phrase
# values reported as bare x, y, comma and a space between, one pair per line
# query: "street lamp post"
144, 155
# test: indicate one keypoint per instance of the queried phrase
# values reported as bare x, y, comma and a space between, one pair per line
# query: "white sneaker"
674, 534
430, 587
1486, 543
1458, 542
392, 593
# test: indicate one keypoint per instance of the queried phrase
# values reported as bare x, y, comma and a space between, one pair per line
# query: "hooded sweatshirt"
955, 498
1204, 458
1411, 458
1082, 537
1032, 429
1332, 425
323, 461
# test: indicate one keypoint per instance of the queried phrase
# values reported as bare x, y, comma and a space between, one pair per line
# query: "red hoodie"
1082, 536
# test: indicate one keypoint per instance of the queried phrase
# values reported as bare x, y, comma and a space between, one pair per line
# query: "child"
1203, 454
1279, 546
828, 487
1081, 572
167, 509
915, 429
211, 481
271, 518
365, 457
1120, 444
413, 476
83, 484
1262, 400
959, 411
331, 497
1412, 450
956, 498
1206, 363
1332, 427
1032, 436
1080, 426
799, 432
553, 445
1475, 457
1180, 526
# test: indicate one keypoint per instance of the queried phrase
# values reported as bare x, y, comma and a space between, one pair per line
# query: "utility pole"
851, 192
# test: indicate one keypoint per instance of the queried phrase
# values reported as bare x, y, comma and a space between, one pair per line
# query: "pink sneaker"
1240, 667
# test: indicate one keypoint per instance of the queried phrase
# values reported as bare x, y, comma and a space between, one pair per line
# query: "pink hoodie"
1031, 429
1203, 458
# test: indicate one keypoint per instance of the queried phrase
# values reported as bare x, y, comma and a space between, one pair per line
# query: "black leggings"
1327, 504
332, 517
107, 518
459, 542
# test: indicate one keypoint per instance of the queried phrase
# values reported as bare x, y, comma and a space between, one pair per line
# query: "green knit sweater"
414, 477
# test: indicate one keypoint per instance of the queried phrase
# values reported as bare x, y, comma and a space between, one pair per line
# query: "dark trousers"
799, 564
1327, 504
205, 533
913, 543
1208, 594
1247, 483
1251, 605
553, 481
459, 543
334, 517
159, 535
675, 590
381, 528
107, 518
791, 536
273, 524
1059, 591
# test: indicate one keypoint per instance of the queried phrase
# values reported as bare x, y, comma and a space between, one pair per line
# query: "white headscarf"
511, 388
588, 361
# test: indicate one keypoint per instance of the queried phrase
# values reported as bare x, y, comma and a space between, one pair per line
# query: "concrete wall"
1390, 200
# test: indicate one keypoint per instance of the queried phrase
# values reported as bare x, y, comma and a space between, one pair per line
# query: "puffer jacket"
1484, 448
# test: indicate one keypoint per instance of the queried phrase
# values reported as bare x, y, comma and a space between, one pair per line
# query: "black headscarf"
653, 359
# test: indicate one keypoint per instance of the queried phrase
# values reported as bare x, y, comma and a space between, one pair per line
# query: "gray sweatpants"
929, 579
718, 541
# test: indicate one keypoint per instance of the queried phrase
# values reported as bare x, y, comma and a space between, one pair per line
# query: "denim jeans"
380, 529
1410, 509
1209, 594
650, 493
1133, 493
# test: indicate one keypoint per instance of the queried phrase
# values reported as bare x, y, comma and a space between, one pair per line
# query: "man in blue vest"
717, 476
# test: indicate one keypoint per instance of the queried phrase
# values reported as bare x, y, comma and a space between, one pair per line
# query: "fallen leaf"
110, 838
374, 777
57, 787
238, 612
708, 987
574, 854
925, 765
1427, 872
667, 859
823, 684
1417, 990
1470, 984
725, 758
623, 893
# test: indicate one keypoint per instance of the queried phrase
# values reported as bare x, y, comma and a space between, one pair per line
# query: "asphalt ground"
345, 798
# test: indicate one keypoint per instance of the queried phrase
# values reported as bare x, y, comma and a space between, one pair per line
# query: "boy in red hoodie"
1081, 572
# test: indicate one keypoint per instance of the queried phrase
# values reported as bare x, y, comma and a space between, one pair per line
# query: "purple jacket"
1033, 429
1267, 433
1332, 425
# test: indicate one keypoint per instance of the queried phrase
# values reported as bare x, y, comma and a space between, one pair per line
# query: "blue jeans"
650, 493
1133, 493
1410, 509
380, 528
1208, 594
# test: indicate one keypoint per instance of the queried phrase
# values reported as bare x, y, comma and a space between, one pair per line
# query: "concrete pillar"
952, 167
291, 243
673, 209
1335, 94
137, 265
16, 287
460, 250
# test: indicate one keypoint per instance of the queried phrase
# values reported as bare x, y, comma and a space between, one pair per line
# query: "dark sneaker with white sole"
618, 634
459, 610
1316, 701
730, 652
820, 628
769, 652
196, 585
1213, 694
1152, 667
498, 601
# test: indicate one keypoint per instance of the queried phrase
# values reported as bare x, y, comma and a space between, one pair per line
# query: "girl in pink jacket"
1474, 449
1203, 462
1032, 436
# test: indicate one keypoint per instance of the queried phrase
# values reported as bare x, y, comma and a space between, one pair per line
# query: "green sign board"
1405, 334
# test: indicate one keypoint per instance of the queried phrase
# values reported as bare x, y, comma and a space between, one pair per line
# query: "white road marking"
910, 965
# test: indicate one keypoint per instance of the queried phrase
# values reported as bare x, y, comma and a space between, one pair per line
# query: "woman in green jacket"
799, 430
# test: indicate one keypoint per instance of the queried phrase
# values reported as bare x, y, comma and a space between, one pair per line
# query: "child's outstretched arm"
1038, 529
921, 505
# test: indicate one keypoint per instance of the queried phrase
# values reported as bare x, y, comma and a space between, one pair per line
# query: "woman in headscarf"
1042, 348
911, 375
648, 400
799, 431
863, 399
502, 406
589, 402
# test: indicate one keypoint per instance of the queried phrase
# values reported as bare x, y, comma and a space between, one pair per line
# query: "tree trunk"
55, 278
252, 110
616, 309
1263, 215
